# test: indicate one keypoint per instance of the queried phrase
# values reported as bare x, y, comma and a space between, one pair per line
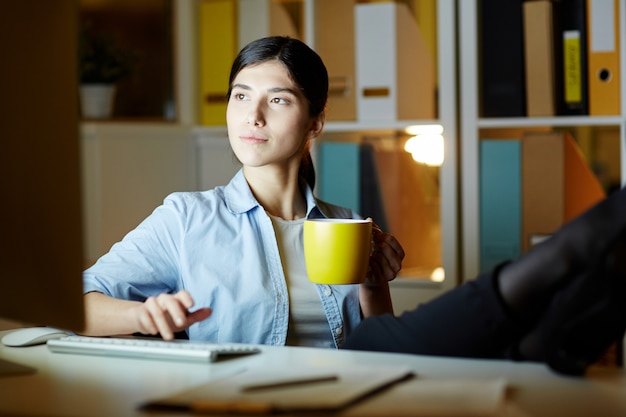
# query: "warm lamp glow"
438, 275
426, 148
415, 130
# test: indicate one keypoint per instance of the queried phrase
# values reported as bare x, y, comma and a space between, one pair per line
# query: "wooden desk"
77, 385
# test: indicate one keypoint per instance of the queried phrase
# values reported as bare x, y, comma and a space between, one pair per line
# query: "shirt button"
327, 292
339, 331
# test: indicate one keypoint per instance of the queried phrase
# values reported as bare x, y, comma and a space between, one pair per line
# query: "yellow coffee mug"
337, 251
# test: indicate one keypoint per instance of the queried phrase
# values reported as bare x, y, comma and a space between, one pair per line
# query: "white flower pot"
97, 100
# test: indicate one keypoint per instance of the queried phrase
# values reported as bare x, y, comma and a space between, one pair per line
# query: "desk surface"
78, 385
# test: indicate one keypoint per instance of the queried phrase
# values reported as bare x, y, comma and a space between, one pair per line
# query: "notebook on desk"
269, 391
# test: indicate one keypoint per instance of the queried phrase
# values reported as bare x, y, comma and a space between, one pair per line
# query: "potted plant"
101, 65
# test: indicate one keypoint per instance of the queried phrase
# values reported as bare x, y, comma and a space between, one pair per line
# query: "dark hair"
305, 68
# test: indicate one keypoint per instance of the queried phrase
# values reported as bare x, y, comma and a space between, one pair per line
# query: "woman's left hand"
385, 258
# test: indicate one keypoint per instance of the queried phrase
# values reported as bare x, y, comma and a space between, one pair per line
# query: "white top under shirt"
308, 325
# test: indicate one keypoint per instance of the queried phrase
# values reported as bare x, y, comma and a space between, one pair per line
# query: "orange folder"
603, 57
557, 184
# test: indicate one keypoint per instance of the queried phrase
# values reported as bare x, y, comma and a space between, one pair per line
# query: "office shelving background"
471, 125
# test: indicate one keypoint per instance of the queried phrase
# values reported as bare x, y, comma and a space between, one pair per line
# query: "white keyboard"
179, 350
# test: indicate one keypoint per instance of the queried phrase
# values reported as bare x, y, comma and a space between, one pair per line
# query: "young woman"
227, 264
236, 251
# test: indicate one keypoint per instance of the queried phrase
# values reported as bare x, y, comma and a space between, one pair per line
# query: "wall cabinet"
128, 169
590, 131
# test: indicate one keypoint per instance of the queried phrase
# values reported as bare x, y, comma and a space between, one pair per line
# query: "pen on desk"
228, 407
289, 383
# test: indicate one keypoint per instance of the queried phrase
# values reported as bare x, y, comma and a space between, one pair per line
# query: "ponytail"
307, 170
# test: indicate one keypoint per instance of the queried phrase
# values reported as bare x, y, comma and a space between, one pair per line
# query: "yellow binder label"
571, 66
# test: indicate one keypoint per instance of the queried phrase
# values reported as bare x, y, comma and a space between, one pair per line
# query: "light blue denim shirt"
220, 246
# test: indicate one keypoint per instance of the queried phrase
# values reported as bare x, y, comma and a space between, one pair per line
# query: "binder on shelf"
411, 199
500, 201
225, 27
501, 59
603, 57
394, 68
557, 184
348, 176
339, 170
542, 57
261, 18
575, 95
371, 202
336, 48
217, 50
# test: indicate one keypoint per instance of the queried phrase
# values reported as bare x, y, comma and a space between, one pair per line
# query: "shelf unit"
447, 117
471, 124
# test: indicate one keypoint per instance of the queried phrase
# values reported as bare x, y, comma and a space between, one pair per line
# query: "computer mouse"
32, 336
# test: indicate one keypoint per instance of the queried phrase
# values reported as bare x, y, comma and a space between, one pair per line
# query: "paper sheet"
437, 397
335, 389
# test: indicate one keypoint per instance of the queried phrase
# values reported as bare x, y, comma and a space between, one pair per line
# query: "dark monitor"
41, 250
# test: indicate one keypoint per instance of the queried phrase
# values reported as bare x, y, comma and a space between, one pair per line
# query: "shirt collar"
239, 197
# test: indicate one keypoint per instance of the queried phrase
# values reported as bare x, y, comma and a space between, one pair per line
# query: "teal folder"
338, 174
500, 202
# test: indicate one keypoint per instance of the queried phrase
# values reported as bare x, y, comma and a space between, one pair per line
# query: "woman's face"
268, 117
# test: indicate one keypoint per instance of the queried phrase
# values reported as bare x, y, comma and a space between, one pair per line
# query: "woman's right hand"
167, 314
